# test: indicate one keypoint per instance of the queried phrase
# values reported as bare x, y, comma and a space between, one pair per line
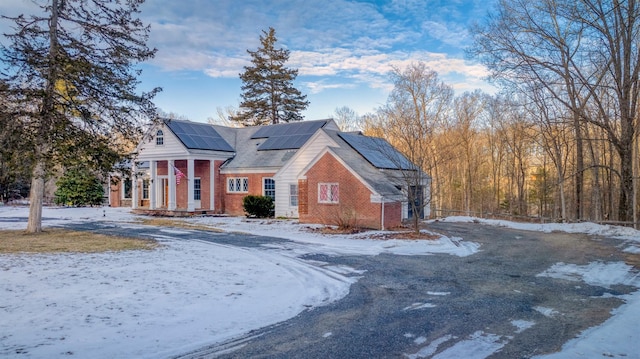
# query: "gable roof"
377, 151
268, 146
386, 182
198, 136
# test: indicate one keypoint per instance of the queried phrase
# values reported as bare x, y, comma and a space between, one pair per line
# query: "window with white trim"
238, 184
293, 195
159, 138
126, 188
145, 188
328, 193
269, 188
197, 189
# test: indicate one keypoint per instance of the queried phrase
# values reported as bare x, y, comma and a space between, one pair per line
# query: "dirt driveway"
495, 302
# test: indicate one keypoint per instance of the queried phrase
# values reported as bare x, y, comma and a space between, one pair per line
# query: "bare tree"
416, 106
347, 119
585, 53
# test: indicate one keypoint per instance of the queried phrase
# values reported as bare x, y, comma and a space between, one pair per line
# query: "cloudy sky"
344, 49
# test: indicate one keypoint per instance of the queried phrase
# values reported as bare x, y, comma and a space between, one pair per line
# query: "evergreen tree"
79, 187
72, 79
14, 173
268, 95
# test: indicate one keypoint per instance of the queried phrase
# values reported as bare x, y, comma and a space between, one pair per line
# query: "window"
145, 189
293, 195
269, 186
126, 188
328, 193
196, 189
238, 184
159, 138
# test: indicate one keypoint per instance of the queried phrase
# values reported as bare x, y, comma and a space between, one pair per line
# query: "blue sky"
343, 49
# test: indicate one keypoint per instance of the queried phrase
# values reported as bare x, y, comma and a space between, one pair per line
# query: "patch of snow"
632, 249
522, 325
617, 337
416, 306
619, 232
595, 273
420, 340
337, 244
327, 334
438, 293
479, 346
547, 312
430, 349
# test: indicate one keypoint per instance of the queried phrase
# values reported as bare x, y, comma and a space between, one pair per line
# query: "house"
311, 169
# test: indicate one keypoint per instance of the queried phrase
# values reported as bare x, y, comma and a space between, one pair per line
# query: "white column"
212, 186
172, 186
191, 205
153, 184
134, 185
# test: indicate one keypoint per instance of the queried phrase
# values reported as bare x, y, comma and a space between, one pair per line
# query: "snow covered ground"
185, 295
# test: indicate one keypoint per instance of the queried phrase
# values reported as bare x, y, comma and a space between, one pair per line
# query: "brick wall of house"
232, 202
303, 197
354, 207
392, 215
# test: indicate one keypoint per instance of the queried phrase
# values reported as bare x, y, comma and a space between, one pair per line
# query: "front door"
163, 192
415, 201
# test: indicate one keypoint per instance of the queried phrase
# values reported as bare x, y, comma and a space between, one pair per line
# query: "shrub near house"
258, 206
79, 187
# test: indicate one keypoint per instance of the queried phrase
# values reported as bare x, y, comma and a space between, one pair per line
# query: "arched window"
159, 138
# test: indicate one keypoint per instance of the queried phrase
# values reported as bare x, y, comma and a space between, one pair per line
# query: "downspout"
382, 215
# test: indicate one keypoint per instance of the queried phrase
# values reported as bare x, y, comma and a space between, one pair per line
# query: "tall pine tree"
71, 72
268, 95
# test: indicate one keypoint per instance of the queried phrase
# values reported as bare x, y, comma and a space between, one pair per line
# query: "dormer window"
159, 138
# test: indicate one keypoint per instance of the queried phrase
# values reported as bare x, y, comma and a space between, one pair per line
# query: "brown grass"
62, 240
166, 222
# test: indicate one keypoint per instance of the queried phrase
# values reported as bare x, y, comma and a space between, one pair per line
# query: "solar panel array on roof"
378, 152
199, 136
286, 136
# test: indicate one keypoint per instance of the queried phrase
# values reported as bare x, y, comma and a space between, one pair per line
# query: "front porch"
176, 187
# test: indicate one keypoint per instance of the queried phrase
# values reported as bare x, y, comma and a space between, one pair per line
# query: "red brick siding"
303, 197
232, 202
354, 207
392, 215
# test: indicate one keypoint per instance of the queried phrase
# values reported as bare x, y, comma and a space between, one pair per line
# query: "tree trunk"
579, 167
626, 185
36, 196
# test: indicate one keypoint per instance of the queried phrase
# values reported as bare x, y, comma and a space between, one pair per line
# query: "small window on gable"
159, 138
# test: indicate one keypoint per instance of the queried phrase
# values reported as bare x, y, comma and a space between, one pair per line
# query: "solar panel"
286, 136
198, 136
292, 128
378, 152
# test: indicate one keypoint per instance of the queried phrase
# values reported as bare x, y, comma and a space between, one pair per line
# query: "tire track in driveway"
442, 306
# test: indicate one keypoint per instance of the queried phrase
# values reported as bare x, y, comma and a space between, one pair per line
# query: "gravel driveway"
427, 306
